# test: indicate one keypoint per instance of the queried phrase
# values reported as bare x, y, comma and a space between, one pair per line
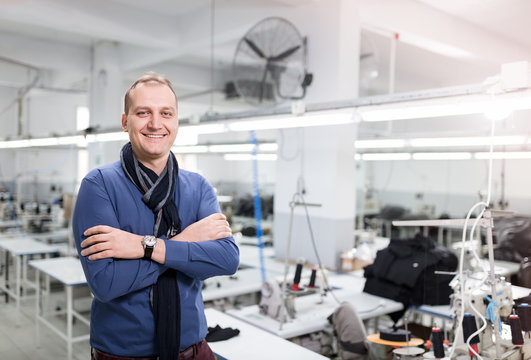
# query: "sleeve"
107, 278
206, 258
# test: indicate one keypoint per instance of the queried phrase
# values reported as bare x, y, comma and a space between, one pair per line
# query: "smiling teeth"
155, 136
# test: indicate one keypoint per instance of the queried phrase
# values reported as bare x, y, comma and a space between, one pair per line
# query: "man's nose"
155, 122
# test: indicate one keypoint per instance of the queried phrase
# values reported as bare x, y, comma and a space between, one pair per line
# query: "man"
148, 234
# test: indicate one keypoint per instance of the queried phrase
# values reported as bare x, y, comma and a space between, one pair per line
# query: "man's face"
151, 122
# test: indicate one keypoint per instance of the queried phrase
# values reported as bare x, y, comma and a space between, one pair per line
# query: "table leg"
24, 275
7, 275
69, 320
17, 284
37, 299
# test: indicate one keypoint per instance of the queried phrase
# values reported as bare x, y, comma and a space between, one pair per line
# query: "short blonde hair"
149, 78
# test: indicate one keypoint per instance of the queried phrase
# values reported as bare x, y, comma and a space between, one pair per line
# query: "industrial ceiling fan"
269, 64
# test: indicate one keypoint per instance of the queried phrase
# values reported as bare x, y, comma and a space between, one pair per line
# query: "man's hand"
108, 242
212, 227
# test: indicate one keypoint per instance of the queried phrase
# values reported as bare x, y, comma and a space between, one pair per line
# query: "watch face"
149, 240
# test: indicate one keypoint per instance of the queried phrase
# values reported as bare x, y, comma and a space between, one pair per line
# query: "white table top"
57, 235
9, 223
245, 281
253, 343
67, 270
26, 246
250, 255
313, 311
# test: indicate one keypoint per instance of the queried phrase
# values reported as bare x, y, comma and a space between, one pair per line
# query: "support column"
106, 99
319, 161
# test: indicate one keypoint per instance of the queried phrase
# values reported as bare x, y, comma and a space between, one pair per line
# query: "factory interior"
370, 156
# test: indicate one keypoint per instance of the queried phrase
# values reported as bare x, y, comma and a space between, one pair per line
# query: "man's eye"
142, 113
167, 114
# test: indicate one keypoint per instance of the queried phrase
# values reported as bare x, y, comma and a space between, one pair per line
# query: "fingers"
94, 249
223, 232
217, 216
99, 229
102, 255
93, 239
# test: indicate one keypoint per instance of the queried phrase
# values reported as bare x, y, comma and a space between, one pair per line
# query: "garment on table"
121, 316
405, 272
217, 333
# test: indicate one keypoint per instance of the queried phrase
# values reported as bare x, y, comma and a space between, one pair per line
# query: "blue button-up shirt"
122, 320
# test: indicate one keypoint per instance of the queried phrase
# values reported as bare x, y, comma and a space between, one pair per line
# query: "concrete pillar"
320, 160
106, 99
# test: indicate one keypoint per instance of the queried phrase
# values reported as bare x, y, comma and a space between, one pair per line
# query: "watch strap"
148, 251
149, 242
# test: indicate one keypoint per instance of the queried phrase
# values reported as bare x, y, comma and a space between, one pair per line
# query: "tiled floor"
18, 335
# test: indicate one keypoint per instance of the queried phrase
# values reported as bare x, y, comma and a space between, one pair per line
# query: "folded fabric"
219, 334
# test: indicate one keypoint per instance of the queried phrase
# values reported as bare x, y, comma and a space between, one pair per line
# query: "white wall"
452, 186
228, 176
48, 113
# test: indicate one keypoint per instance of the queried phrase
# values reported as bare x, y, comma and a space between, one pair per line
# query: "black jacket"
404, 271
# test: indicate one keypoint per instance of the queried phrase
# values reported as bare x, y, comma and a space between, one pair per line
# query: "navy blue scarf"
158, 193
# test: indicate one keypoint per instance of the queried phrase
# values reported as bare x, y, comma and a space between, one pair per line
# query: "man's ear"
124, 122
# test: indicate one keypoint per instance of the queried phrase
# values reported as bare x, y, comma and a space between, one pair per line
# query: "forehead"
152, 94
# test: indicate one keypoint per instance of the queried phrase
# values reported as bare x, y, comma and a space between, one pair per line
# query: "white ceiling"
441, 43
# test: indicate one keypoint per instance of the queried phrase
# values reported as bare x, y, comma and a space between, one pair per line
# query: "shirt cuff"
177, 252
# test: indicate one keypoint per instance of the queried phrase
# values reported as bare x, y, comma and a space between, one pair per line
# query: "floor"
18, 334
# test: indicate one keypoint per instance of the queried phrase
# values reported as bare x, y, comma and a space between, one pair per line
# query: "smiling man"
148, 234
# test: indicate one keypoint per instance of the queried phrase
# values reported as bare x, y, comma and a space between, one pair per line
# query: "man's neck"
157, 165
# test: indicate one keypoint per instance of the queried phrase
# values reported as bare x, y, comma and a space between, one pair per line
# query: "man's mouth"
154, 136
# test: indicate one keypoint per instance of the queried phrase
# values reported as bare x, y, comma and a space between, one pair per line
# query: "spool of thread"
297, 278
437, 340
311, 285
470, 327
524, 313
516, 330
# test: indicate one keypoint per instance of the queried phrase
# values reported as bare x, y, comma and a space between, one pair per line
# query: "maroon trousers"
199, 351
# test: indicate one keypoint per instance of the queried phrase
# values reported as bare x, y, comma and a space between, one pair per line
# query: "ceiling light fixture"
497, 106
380, 143
467, 141
515, 155
317, 118
385, 156
248, 157
193, 149
442, 156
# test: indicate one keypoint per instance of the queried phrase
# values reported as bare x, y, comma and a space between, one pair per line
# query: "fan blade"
285, 54
255, 48
262, 87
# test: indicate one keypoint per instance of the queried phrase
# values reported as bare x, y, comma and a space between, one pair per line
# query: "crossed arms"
112, 257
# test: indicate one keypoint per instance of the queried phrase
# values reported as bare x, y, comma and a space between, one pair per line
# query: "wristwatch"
148, 242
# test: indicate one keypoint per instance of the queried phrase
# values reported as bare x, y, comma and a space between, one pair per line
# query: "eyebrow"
142, 107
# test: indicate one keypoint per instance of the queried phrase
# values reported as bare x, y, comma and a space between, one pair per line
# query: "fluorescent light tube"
385, 156
380, 143
442, 156
268, 147
78, 140
248, 157
113, 136
14, 144
318, 118
503, 155
467, 141
43, 142
498, 106
190, 149
205, 128
224, 148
